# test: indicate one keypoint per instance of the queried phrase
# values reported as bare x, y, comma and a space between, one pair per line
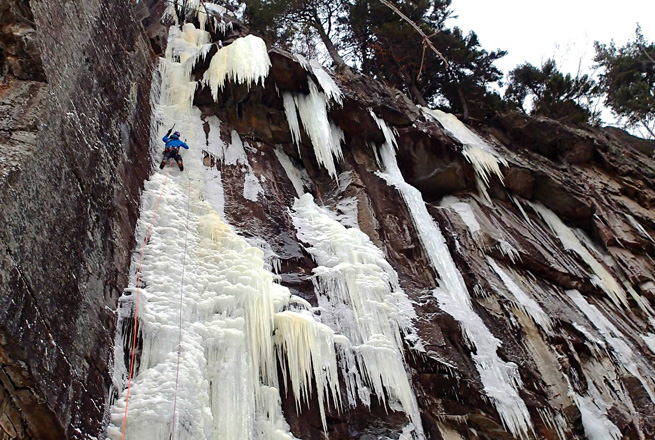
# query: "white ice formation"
245, 61
501, 380
200, 281
522, 299
616, 340
359, 296
222, 299
313, 108
602, 277
477, 151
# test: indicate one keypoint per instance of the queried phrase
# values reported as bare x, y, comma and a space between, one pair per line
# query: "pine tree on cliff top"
375, 40
628, 81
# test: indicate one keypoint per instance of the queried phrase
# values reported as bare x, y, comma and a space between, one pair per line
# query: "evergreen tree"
548, 92
393, 50
628, 80
280, 21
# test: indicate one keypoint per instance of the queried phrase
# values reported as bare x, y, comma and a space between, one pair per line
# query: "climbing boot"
162, 164
181, 166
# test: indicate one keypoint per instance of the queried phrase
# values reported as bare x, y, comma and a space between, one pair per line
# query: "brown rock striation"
599, 182
74, 101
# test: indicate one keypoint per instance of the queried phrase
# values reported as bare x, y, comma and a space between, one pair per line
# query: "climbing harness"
179, 338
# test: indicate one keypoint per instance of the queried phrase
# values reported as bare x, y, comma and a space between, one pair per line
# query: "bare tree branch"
426, 39
646, 53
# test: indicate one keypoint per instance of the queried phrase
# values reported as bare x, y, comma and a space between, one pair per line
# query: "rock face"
575, 205
558, 262
74, 129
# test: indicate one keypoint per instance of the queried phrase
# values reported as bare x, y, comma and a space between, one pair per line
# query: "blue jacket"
174, 142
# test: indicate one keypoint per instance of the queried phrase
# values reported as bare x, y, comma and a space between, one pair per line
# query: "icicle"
294, 174
603, 278
306, 349
330, 88
359, 294
614, 338
228, 374
303, 61
245, 61
476, 150
325, 136
635, 224
292, 118
500, 379
529, 305
594, 420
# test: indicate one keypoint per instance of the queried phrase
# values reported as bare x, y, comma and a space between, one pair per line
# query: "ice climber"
172, 150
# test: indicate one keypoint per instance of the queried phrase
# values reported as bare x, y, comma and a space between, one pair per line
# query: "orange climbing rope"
136, 306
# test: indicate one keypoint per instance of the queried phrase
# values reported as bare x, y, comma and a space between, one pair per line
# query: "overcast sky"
563, 29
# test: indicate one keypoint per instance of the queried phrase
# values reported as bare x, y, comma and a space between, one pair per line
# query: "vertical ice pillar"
501, 380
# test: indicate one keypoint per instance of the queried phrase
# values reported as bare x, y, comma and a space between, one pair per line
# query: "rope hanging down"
179, 339
136, 301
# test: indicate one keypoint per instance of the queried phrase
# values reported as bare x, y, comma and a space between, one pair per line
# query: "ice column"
226, 300
501, 380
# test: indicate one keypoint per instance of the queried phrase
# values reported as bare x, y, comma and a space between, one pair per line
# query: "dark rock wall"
74, 132
74, 143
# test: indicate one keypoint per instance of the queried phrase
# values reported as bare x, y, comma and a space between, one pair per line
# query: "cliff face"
74, 124
557, 260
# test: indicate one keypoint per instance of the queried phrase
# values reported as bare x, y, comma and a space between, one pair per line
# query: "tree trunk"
462, 100
416, 93
341, 66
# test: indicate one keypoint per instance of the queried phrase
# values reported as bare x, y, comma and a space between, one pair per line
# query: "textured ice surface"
501, 379
360, 297
594, 420
225, 302
245, 61
306, 350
